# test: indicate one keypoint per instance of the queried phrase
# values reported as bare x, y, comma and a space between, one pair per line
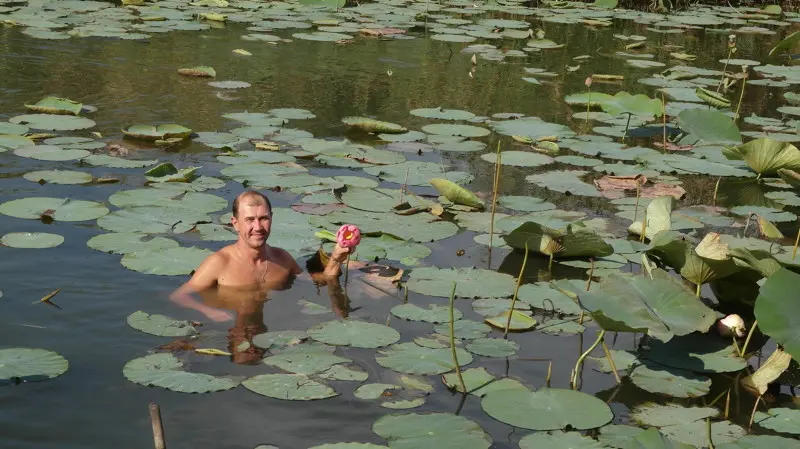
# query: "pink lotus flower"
348, 236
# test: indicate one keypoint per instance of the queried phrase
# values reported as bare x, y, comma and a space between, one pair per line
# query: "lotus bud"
349, 236
731, 325
389, 72
588, 81
474, 60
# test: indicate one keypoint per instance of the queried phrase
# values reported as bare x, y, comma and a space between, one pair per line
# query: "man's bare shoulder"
284, 258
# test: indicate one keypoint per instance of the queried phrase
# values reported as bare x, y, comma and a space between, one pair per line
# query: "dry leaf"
775, 365
211, 351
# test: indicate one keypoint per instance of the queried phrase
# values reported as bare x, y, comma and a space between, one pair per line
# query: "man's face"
253, 223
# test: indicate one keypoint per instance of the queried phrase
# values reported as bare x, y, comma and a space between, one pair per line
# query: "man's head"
252, 218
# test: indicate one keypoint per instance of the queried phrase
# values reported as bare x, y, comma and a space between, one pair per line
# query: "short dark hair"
248, 194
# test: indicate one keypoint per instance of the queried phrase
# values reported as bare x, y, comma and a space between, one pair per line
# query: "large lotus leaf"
775, 310
387, 247
129, 242
292, 113
414, 359
166, 262
51, 122
653, 439
791, 177
531, 127
289, 387
542, 296
197, 202
456, 130
698, 265
160, 325
371, 200
50, 153
670, 381
353, 373
358, 334
519, 158
659, 218
524, 203
766, 156
152, 220
559, 439
547, 409
567, 181
164, 370
464, 329
105, 160
470, 282
60, 209
56, 105
569, 243
639, 105
761, 442
10, 129
305, 359
167, 172
431, 314
767, 213
419, 173
661, 306
58, 177
493, 306
455, 193
12, 141
444, 114
492, 347
658, 415
696, 433
416, 227
785, 420
30, 365
710, 126
696, 352
429, 430
157, 132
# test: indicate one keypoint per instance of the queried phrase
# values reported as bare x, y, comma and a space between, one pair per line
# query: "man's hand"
218, 315
339, 254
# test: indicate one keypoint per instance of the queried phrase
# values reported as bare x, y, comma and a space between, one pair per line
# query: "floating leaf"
710, 126
229, 84
58, 209
456, 130
289, 387
358, 334
164, 370
50, 153
713, 98
123, 243
519, 321
59, 177
670, 381
443, 114
431, 314
492, 347
31, 240
780, 420
696, 352
160, 132
30, 365
199, 71
471, 282
160, 325
658, 415
573, 242
439, 430
479, 382
166, 262
774, 310
464, 330
167, 172
373, 391
373, 126
564, 181
559, 439
547, 409
56, 105
456, 193
414, 359
519, 158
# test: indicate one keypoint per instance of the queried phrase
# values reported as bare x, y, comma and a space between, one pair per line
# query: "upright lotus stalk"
731, 51
796, 242
453, 339
664, 119
574, 380
588, 83
495, 188
716, 190
516, 290
741, 95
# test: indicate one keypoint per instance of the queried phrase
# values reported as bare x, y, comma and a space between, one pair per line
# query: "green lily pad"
56, 105
371, 200
358, 334
373, 391
547, 409
201, 71
774, 307
524, 203
116, 162
30, 240
531, 127
339, 446
542, 296
129, 242
460, 38
466, 146
373, 126
166, 262
558, 440
167, 172
305, 359
439, 430
151, 220
455, 193
767, 213
494, 306
456, 130
30, 365
322, 36
564, 181
471, 282
352, 373
761, 441
59, 209
419, 173
431, 314
159, 132
780, 419
414, 359
464, 329
560, 327
279, 339
479, 382
292, 113
658, 415
766, 156
573, 242
443, 114
492, 347
160, 325
710, 126
58, 177
164, 370
695, 352
289, 387
229, 84
404, 404
50, 153
670, 381
52, 122
519, 158
696, 433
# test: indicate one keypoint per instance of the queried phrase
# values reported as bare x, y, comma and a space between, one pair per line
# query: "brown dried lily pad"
381, 31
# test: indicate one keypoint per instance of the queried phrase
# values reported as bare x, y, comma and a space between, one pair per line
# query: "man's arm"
204, 277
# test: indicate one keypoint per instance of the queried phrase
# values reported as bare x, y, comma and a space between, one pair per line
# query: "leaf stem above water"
453, 340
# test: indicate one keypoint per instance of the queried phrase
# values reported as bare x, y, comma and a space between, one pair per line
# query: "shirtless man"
250, 261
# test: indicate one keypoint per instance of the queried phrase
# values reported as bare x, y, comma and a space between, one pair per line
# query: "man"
249, 262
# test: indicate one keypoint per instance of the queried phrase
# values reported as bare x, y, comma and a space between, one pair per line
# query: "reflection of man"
249, 262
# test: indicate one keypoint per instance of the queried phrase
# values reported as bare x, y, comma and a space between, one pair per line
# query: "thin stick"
644, 226
516, 290
588, 104
591, 273
158, 428
724, 69
453, 340
346, 268
549, 373
741, 95
578, 364
796, 241
638, 195
494, 199
708, 433
716, 189
404, 187
728, 403
747, 340
753, 414
610, 360
664, 119
697, 289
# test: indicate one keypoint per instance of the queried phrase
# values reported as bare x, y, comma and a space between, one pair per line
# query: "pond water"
130, 82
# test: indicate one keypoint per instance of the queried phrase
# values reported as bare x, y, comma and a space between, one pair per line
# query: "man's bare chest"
238, 273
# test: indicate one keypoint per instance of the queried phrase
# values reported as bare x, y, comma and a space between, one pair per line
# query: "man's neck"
252, 254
